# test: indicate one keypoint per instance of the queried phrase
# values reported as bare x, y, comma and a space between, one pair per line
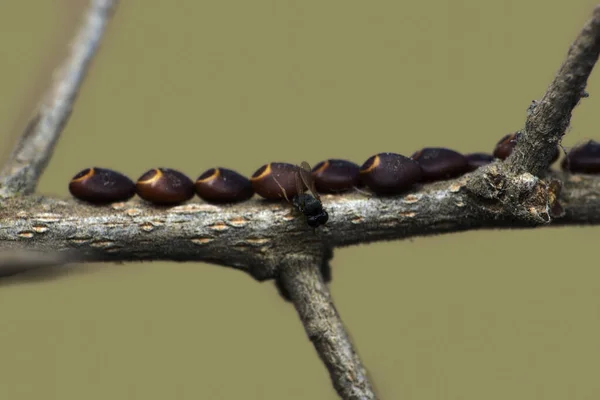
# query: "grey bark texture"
549, 118
301, 278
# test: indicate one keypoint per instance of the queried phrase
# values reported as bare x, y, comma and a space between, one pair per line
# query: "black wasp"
308, 204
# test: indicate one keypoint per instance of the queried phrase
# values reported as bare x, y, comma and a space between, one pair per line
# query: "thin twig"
549, 118
301, 277
17, 261
31, 155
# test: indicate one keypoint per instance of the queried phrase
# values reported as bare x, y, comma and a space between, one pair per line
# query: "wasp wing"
306, 175
299, 188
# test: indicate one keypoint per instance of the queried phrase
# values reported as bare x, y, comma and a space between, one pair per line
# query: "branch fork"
517, 196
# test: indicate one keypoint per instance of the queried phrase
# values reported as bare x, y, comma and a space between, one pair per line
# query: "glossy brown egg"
335, 176
438, 163
222, 185
101, 186
476, 160
165, 186
584, 159
269, 179
390, 173
506, 145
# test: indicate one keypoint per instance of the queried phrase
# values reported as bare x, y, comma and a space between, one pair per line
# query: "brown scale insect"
165, 186
222, 185
390, 173
101, 186
438, 163
335, 176
584, 159
269, 180
477, 160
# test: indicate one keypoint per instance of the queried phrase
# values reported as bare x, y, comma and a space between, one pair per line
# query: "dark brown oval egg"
506, 145
101, 186
335, 176
390, 173
476, 160
439, 163
165, 186
269, 179
584, 159
222, 185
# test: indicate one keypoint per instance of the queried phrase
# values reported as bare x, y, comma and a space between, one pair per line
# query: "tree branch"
32, 153
301, 278
250, 236
270, 241
549, 118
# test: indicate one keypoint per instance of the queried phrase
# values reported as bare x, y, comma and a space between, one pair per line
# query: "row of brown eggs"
161, 186
383, 173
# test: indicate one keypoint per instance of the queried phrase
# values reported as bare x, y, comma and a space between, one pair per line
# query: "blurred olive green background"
196, 84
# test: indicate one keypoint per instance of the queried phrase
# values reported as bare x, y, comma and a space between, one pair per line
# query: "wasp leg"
283, 191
